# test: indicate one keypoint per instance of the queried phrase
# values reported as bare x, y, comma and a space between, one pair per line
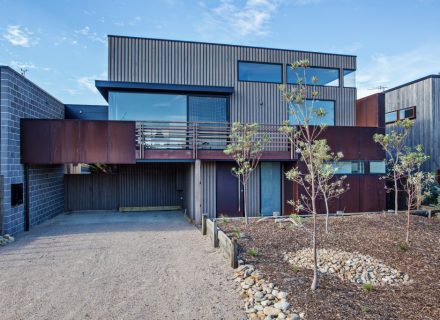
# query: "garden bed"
265, 244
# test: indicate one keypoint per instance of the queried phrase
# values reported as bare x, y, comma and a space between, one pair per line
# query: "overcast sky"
63, 43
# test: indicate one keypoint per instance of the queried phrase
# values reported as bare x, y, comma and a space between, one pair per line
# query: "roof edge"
430, 76
231, 45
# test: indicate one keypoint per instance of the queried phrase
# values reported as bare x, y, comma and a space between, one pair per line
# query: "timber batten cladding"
424, 95
205, 64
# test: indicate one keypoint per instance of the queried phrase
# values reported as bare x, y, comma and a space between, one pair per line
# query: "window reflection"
325, 76
328, 106
260, 72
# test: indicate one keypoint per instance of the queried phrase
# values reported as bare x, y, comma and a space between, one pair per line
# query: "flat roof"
413, 81
104, 87
231, 45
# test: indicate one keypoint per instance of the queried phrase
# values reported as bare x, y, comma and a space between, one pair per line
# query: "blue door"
270, 183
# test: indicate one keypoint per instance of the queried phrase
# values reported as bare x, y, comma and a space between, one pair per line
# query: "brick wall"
20, 98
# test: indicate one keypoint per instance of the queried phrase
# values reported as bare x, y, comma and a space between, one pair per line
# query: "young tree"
246, 147
330, 185
415, 182
304, 133
393, 144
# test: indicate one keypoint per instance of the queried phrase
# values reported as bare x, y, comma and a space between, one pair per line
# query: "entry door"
270, 188
229, 194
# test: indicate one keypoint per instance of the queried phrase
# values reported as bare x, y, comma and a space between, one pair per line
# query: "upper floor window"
325, 76
260, 72
349, 78
407, 113
328, 117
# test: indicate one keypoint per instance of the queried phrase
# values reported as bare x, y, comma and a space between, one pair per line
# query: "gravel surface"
116, 266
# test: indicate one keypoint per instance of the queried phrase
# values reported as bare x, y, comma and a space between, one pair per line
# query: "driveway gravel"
110, 265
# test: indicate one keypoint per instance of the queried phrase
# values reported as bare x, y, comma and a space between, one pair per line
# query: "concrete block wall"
20, 98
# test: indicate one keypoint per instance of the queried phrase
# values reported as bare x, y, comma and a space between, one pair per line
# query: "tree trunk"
245, 203
396, 197
315, 256
408, 223
327, 214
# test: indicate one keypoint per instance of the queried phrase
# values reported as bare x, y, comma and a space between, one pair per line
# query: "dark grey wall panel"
189, 63
208, 180
426, 131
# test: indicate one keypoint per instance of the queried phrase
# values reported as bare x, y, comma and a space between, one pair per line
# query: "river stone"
271, 311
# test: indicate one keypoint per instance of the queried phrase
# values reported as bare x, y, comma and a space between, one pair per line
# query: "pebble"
350, 266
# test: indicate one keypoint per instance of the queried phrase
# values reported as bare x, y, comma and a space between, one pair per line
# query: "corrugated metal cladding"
208, 181
426, 131
140, 185
189, 63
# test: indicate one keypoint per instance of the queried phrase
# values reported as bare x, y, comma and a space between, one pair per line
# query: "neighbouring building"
36, 189
170, 109
418, 100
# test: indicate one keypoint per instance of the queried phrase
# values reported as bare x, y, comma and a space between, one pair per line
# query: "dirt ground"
377, 236
116, 266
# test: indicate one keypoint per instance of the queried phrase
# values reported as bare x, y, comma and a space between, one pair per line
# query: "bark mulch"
375, 235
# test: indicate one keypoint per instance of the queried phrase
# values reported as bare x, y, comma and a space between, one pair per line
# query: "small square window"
409, 113
377, 167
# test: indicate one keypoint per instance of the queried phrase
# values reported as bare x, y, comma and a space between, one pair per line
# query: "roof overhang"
105, 86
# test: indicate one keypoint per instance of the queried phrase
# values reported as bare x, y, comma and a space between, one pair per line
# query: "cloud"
91, 35
18, 36
87, 83
392, 70
250, 19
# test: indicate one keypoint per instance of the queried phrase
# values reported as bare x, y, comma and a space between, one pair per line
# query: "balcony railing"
198, 136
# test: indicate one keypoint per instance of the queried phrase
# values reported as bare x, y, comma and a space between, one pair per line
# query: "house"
170, 109
418, 100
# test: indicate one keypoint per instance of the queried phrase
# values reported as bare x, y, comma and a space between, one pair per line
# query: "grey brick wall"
20, 98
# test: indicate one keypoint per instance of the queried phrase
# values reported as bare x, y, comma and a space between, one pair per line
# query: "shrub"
253, 252
237, 233
402, 246
295, 269
365, 309
223, 219
368, 287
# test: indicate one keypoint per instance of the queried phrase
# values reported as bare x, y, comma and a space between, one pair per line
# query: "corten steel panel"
93, 141
368, 149
121, 142
227, 191
36, 147
65, 141
290, 189
367, 111
75, 141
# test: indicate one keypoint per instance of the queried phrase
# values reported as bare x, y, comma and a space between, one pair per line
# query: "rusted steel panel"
93, 141
370, 111
121, 143
36, 146
74, 141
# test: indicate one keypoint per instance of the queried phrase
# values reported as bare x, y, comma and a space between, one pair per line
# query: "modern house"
418, 100
170, 109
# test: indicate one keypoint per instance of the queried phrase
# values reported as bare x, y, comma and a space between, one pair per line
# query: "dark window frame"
260, 62
414, 116
355, 173
317, 85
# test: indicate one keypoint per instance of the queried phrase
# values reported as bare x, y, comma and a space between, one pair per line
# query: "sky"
63, 43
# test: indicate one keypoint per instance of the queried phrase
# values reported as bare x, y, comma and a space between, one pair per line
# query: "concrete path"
110, 265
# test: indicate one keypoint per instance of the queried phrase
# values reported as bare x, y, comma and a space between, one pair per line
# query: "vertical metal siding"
425, 131
176, 62
253, 202
208, 188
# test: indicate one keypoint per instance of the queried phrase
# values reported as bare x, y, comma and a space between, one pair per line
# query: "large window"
147, 106
325, 76
260, 72
207, 109
327, 106
349, 78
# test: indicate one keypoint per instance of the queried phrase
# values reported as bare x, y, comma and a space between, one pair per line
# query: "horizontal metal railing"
195, 136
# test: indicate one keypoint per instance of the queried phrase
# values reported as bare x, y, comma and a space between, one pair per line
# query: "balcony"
199, 140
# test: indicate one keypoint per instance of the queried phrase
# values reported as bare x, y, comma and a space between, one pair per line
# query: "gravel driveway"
111, 265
